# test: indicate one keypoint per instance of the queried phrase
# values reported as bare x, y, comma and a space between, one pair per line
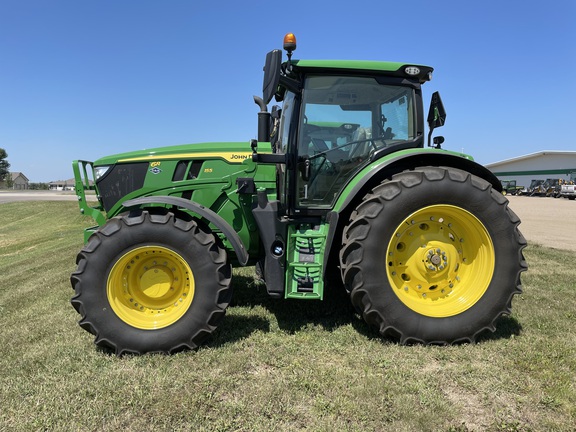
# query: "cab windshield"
344, 121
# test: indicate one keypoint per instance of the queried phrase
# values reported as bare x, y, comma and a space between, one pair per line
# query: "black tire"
178, 271
409, 290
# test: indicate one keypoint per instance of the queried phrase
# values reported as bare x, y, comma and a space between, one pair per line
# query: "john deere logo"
240, 156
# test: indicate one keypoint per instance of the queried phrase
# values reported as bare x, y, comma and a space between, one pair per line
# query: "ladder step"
305, 257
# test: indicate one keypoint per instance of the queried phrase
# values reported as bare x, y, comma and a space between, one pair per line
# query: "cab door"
287, 135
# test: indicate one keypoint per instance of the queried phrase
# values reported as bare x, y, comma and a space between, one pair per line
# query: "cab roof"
405, 70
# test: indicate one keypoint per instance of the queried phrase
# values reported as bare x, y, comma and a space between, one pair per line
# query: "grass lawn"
273, 364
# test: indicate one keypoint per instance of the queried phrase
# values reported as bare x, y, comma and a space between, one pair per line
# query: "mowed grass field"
273, 365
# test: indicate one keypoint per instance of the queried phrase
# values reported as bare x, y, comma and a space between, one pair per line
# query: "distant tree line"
4, 166
38, 186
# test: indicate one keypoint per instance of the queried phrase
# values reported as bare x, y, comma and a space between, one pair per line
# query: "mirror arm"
291, 84
266, 158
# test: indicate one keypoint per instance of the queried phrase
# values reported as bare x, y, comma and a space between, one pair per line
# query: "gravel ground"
546, 221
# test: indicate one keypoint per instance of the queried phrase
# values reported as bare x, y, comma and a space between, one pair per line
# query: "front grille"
120, 181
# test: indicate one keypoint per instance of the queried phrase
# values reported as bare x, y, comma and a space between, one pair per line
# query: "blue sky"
80, 79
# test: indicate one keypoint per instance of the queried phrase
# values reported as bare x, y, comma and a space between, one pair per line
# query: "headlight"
100, 171
412, 70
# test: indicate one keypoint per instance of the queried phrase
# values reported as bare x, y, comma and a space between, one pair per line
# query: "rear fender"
204, 212
381, 169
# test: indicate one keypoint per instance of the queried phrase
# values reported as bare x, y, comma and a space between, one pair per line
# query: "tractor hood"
231, 152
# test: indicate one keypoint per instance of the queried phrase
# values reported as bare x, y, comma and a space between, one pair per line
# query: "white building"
548, 164
62, 185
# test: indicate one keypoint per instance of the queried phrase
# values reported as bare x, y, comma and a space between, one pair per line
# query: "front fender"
205, 212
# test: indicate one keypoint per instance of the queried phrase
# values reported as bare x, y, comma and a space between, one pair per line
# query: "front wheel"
433, 255
151, 283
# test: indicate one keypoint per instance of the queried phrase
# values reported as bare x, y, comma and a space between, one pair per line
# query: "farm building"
548, 164
17, 181
62, 185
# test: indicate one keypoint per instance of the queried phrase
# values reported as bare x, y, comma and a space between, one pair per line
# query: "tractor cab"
336, 118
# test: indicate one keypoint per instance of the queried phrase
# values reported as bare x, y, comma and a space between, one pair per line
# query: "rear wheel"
151, 283
433, 256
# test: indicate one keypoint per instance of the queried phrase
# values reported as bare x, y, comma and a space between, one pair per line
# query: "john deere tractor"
341, 190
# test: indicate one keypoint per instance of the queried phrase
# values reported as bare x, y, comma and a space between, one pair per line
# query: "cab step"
305, 257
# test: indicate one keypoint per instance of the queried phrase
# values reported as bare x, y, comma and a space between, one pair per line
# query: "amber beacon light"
289, 43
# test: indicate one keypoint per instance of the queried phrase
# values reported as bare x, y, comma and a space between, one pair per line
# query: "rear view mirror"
436, 115
271, 75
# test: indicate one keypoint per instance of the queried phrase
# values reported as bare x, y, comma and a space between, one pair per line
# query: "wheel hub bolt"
436, 259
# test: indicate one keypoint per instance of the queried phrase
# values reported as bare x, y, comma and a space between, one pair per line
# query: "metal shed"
547, 164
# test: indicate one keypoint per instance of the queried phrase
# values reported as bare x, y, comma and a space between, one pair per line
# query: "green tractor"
341, 190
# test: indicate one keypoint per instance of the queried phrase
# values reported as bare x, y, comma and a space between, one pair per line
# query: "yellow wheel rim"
440, 261
150, 287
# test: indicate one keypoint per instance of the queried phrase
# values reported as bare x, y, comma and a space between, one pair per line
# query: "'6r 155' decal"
155, 167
